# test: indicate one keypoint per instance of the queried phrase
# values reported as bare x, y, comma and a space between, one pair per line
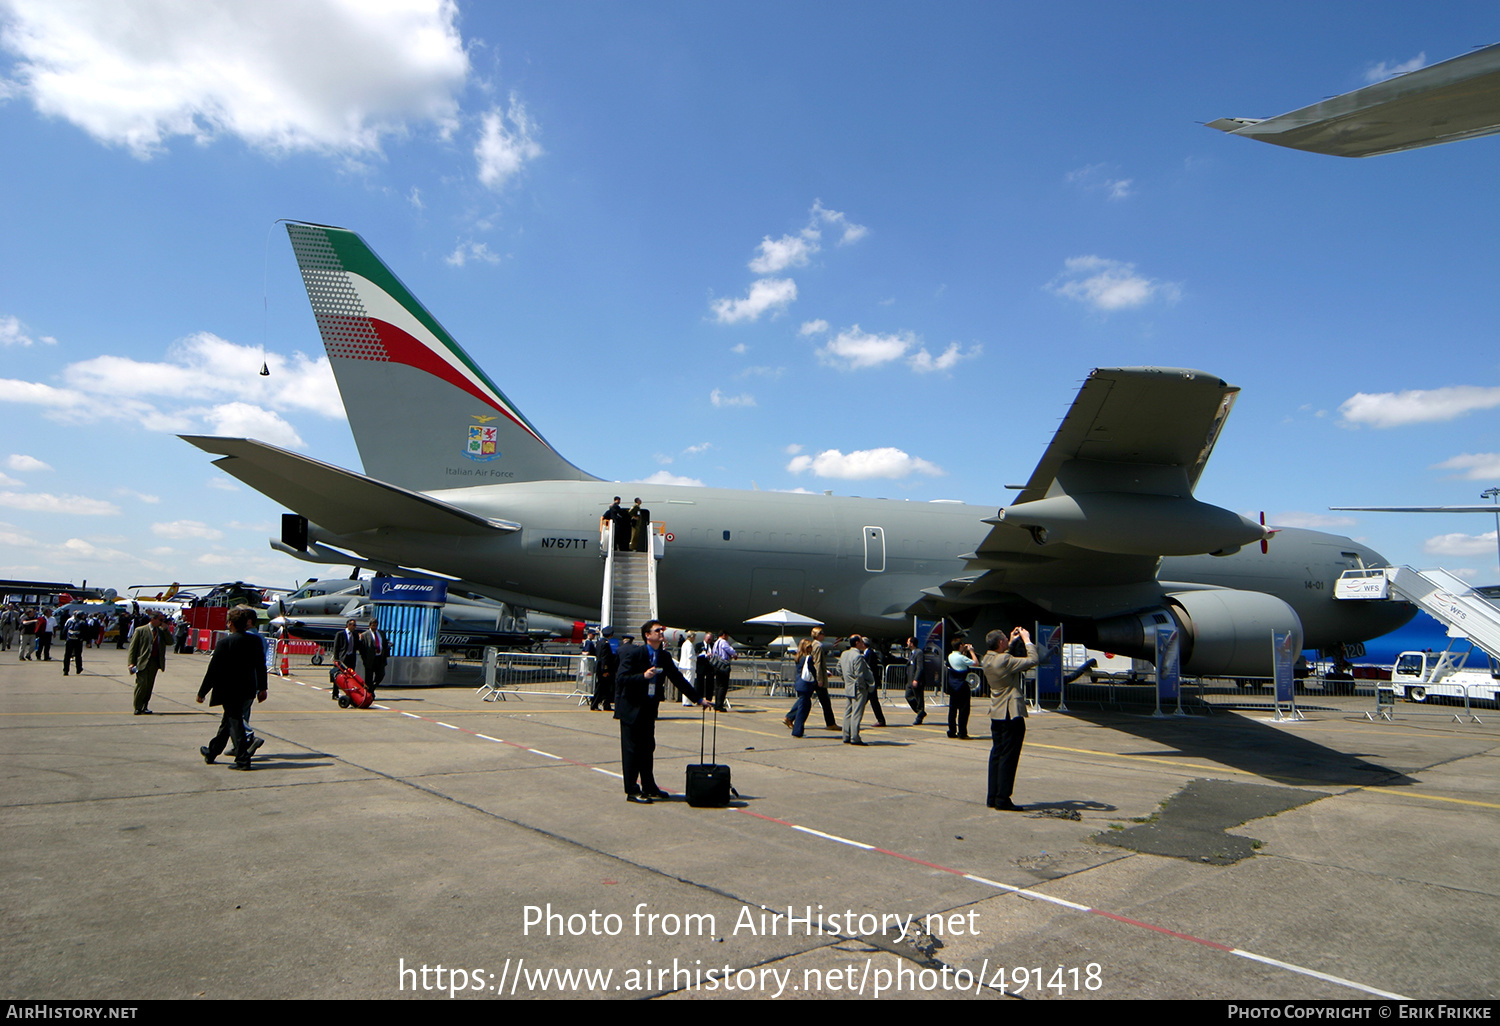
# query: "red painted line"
912, 858
1161, 929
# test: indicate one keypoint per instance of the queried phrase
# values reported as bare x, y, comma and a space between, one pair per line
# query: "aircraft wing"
340, 500
1456, 99
1132, 420
1111, 495
1419, 509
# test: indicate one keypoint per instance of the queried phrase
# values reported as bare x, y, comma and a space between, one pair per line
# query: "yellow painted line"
1195, 766
1432, 797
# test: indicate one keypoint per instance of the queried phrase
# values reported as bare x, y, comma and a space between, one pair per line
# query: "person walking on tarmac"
236, 677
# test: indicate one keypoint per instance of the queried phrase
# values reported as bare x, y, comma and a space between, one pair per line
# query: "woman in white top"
687, 661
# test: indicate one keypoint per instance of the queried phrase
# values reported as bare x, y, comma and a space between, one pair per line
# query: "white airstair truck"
1473, 623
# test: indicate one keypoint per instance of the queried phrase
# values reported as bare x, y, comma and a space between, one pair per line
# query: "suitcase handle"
703, 728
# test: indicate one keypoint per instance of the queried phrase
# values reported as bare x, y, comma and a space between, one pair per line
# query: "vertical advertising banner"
1049, 672
931, 640
1284, 658
1168, 665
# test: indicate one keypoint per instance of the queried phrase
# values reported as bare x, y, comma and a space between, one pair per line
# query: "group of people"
1007, 658
632, 680
632, 526
32, 632
706, 665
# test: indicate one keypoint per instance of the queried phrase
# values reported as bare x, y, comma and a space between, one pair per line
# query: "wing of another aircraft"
340, 500
1456, 99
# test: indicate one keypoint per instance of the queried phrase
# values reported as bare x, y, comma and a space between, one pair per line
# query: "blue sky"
864, 247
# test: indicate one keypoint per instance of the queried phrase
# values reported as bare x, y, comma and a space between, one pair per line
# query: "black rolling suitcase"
708, 782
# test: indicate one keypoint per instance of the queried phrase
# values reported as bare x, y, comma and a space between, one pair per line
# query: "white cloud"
37, 394
150, 500
1109, 284
662, 477
186, 529
244, 420
1094, 178
853, 349
739, 348
793, 449
924, 362
1460, 545
467, 251
415, 198
282, 75
766, 294
1312, 521
13, 332
787, 251
205, 366
6, 481
222, 484
1382, 71
849, 231
718, 398
816, 327
662, 458
43, 502
698, 450
201, 367
1417, 406
1476, 466
504, 149
863, 464
25, 464
761, 372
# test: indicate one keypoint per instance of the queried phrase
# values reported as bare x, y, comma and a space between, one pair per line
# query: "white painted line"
549, 755
450, 726
1023, 892
607, 773
412, 715
1321, 976
833, 837
488, 738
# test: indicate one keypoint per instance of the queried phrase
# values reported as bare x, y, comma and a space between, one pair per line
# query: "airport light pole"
1494, 494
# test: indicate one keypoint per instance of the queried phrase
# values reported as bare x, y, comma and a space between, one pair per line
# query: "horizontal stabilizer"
337, 499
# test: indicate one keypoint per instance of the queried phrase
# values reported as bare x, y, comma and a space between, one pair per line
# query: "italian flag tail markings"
365, 313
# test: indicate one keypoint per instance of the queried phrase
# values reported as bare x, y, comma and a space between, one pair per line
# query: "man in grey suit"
858, 683
148, 656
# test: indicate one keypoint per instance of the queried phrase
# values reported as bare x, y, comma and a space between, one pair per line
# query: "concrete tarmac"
1208, 857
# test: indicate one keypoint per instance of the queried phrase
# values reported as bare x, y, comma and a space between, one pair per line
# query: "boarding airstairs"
629, 598
1463, 610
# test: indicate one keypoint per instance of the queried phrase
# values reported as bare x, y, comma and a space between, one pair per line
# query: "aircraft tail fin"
423, 413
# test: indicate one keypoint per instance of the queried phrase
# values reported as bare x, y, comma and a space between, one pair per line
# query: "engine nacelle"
1225, 633
1146, 525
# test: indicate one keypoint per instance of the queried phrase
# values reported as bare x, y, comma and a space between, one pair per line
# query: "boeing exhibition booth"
410, 612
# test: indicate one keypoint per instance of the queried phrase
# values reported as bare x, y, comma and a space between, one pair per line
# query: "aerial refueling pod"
1133, 524
1225, 632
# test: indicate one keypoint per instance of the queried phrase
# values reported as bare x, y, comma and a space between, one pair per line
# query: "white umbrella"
786, 618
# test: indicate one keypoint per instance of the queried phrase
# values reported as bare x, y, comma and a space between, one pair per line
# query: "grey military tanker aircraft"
1106, 536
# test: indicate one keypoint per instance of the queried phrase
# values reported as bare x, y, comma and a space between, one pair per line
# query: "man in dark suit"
375, 649
236, 676
345, 651
640, 683
621, 520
